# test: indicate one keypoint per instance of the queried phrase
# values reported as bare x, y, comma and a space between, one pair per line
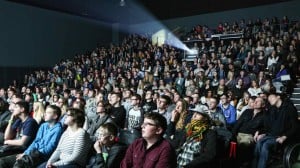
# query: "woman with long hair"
38, 112
178, 122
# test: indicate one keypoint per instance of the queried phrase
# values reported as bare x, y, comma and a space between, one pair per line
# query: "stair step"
297, 106
295, 95
295, 101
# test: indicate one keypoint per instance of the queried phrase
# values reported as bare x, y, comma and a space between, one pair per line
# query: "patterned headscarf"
195, 129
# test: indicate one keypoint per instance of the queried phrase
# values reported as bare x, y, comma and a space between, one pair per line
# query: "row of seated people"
191, 134
136, 65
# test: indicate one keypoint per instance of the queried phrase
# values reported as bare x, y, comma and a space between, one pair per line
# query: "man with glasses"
152, 150
135, 115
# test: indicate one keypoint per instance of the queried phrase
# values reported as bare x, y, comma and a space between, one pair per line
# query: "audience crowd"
137, 104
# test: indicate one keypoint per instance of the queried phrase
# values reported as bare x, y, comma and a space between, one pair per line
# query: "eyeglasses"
102, 135
148, 124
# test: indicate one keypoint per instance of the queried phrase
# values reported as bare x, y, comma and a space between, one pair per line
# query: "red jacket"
160, 155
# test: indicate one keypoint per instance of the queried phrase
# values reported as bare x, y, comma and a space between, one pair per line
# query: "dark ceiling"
134, 11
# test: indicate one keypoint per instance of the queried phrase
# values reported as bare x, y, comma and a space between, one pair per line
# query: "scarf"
195, 129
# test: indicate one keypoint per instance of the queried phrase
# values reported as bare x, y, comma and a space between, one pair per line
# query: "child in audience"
109, 153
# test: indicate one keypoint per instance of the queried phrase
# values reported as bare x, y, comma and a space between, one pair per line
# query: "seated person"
243, 131
74, 144
109, 153
218, 122
280, 127
199, 148
176, 128
101, 118
20, 131
4, 117
228, 110
152, 150
43, 145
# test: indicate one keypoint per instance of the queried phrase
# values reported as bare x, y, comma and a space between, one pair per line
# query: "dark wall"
31, 37
289, 9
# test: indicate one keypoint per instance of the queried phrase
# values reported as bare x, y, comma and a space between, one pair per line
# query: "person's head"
107, 133
149, 95
3, 105
100, 107
115, 98
254, 84
188, 99
163, 102
52, 113
154, 126
259, 103
251, 102
176, 96
240, 82
38, 106
274, 99
224, 99
196, 98
100, 97
20, 108
263, 95
75, 116
212, 104
126, 93
91, 93
61, 101
181, 106
135, 100
11, 92
2, 92
79, 103
13, 102
200, 114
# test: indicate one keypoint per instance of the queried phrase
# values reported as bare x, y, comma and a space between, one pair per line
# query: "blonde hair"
38, 111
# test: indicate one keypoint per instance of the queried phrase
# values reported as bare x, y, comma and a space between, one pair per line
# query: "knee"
2, 163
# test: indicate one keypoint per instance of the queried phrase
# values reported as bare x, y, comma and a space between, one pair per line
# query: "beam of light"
152, 26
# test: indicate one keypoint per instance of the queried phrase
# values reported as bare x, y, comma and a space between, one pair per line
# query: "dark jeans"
8, 161
262, 150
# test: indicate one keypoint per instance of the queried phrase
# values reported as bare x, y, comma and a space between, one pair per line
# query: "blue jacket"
46, 139
229, 114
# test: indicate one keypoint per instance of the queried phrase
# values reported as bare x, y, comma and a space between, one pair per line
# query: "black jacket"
248, 124
115, 156
281, 121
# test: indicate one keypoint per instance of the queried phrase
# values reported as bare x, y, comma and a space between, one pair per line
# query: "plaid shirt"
188, 150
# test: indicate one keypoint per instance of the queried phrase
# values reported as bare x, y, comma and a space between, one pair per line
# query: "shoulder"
30, 121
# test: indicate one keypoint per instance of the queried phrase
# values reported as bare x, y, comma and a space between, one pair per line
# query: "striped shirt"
72, 148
